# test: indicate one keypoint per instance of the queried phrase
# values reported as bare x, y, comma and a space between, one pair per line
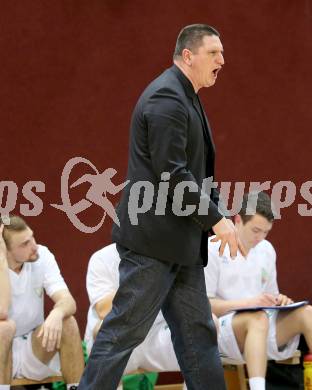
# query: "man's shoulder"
45, 261
44, 254
213, 247
168, 74
167, 81
43, 250
105, 256
265, 247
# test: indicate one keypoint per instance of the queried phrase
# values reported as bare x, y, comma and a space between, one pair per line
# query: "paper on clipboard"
291, 306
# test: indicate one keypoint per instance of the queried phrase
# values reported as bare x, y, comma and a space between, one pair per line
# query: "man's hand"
226, 232
51, 331
263, 299
283, 300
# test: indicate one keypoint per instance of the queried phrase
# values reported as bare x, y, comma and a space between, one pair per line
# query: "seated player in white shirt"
253, 337
31, 346
156, 352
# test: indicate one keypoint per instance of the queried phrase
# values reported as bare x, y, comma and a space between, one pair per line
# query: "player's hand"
226, 232
51, 331
283, 300
263, 299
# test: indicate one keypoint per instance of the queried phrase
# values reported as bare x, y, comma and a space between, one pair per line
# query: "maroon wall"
71, 72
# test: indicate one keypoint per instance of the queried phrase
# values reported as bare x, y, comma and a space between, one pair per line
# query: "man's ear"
186, 55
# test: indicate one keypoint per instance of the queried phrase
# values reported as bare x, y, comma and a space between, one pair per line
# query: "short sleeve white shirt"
28, 286
102, 279
243, 277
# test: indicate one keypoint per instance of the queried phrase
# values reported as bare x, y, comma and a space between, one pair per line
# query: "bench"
51, 379
235, 374
26, 381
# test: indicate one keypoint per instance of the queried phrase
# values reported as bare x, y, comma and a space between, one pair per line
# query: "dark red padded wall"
71, 72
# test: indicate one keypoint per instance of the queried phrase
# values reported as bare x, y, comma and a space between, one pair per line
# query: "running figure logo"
101, 185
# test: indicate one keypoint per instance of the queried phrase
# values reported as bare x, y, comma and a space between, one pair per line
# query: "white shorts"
25, 363
228, 346
156, 353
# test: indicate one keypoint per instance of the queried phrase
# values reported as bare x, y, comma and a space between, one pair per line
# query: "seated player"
156, 352
253, 337
31, 346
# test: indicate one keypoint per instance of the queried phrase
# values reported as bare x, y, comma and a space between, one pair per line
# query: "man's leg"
7, 332
251, 332
144, 284
188, 314
37, 349
293, 322
71, 355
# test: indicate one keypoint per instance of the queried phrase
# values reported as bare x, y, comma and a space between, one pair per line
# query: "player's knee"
7, 331
305, 313
307, 309
258, 321
70, 327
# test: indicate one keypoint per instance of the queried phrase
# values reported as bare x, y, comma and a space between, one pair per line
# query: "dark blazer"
169, 133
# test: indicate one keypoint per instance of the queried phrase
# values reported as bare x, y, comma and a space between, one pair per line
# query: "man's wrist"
58, 311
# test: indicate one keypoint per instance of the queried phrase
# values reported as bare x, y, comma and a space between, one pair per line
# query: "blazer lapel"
189, 90
207, 130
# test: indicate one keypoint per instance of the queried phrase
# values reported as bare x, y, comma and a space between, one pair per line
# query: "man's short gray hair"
191, 37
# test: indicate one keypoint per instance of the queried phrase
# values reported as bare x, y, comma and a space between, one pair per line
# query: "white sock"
69, 385
4, 387
255, 383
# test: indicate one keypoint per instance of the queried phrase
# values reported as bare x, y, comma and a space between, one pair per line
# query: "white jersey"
27, 310
243, 277
102, 279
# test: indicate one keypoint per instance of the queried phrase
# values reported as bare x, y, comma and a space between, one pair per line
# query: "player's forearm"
220, 306
65, 306
5, 294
